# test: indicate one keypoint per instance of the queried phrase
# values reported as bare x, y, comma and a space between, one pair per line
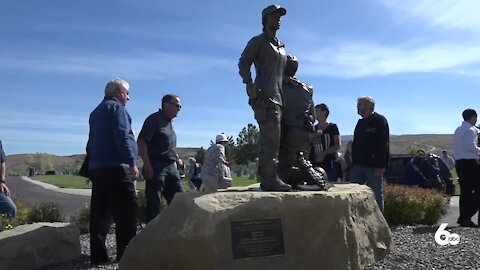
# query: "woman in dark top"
325, 143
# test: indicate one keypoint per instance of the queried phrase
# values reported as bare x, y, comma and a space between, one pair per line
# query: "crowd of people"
429, 171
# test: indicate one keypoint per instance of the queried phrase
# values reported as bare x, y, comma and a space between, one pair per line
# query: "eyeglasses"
176, 105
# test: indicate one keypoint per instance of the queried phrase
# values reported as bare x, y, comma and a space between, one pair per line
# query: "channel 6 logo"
443, 237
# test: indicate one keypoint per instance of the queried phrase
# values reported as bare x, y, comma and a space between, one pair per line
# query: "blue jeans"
364, 175
7, 206
165, 182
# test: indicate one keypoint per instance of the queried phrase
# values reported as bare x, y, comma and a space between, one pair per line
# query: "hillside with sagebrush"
401, 144
19, 164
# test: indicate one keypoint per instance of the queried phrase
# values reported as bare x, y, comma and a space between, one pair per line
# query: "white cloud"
359, 59
27, 135
21, 119
450, 14
145, 65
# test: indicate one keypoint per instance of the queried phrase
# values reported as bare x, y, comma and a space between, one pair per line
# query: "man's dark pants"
113, 195
166, 183
467, 170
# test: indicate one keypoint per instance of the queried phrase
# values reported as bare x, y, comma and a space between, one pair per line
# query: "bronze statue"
265, 93
298, 119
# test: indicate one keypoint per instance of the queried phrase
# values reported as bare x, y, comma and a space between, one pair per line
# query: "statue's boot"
274, 184
269, 180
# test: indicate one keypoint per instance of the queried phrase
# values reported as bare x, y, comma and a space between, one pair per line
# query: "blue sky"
420, 60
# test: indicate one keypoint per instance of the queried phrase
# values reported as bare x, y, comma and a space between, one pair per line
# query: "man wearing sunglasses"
157, 144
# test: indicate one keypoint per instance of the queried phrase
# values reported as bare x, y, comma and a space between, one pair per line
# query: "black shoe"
467, 223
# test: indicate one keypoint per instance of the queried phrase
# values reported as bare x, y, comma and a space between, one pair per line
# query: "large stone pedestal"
342, 228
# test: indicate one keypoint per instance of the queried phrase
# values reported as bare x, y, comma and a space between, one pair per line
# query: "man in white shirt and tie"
466, 152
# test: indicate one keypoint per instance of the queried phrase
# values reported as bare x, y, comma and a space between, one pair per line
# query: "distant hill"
17, 164
399, 144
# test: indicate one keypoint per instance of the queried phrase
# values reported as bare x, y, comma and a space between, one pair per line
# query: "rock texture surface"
339, 229
34, 246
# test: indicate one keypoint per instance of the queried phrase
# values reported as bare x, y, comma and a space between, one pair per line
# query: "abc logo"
443, 237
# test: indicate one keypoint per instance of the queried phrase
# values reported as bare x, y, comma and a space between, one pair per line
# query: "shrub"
7, 223
45, 212
23, 211
82, 219
414, 205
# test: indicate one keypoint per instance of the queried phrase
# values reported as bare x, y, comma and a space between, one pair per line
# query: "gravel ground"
84, 261
415, 248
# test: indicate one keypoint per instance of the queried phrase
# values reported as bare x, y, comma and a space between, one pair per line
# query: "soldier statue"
265, 93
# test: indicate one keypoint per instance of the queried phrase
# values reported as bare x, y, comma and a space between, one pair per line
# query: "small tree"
40, 161
200, 155
230, 149
246, 149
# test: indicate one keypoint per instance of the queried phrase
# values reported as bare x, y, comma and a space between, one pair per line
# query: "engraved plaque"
257, 238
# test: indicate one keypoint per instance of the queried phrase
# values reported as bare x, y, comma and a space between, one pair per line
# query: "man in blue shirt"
157, 143
113, 155
6, 204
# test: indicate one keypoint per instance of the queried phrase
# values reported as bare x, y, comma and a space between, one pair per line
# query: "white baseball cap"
221, 138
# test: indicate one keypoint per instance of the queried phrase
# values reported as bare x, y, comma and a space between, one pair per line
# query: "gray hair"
369, 100
114, 85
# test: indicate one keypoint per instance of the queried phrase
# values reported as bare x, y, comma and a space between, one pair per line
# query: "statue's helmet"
291, 66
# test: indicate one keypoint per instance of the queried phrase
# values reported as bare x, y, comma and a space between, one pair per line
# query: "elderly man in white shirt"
448, 160
467, 152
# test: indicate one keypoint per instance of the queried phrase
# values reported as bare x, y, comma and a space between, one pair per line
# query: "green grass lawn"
75, 181
63, 181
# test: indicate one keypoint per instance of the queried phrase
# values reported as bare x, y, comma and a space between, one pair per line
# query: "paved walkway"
72, 191
34, 192
453, 213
